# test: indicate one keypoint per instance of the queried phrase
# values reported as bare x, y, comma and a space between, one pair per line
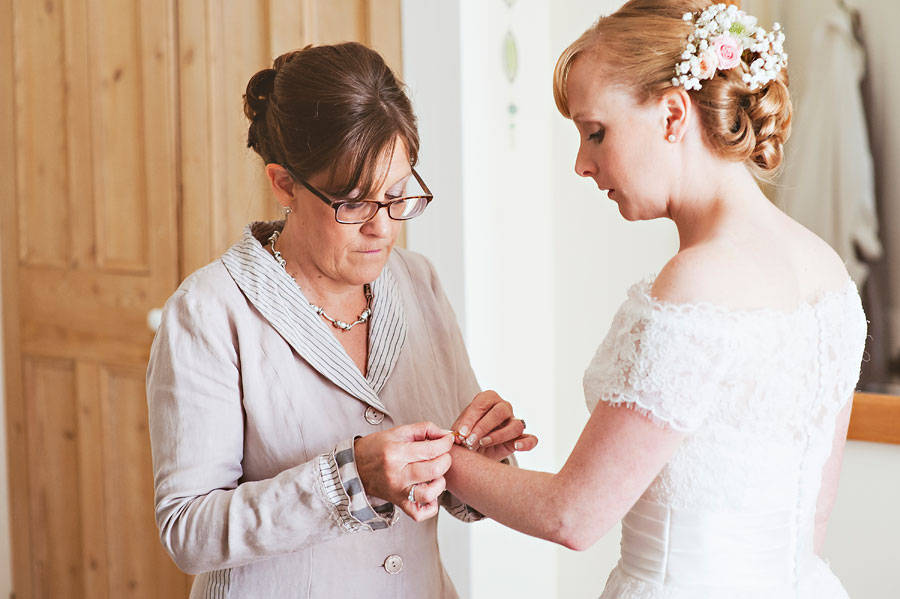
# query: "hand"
489, 426
390, 462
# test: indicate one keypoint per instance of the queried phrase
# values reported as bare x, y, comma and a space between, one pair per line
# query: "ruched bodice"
758, 393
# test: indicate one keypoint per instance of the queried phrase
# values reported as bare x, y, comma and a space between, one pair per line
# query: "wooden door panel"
40, 133
53, 477
104, 314
95, 557
118, 135
340, 21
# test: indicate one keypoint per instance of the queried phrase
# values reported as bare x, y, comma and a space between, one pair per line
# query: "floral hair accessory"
723, 36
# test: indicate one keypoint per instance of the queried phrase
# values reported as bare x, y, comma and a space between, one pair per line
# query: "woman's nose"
584, 167
380, 224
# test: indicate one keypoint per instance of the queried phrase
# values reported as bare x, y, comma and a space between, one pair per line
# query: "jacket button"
374, 416
393, 564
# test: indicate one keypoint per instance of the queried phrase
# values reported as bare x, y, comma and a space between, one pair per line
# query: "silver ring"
522, 420
412, 493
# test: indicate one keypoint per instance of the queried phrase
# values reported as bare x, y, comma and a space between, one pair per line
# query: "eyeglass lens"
400, 209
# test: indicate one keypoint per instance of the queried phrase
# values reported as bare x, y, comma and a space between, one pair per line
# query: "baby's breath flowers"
723, 36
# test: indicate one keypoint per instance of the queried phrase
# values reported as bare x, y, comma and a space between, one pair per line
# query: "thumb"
427, 431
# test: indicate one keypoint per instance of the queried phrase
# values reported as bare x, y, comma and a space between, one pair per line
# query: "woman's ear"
282, 184
676, 109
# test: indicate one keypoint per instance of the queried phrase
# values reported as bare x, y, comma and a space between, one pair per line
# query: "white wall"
862, 544
432, 55
489, 233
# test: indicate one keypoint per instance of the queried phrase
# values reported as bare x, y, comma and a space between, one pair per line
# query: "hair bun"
259, 89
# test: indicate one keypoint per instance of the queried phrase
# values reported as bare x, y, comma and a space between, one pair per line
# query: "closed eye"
597, 136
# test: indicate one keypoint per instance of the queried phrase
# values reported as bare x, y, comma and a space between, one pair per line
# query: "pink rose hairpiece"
722, 36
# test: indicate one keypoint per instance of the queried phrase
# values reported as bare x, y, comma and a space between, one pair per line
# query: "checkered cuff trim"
344, 490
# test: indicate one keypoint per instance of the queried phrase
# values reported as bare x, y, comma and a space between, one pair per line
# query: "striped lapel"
278, 298
387, 330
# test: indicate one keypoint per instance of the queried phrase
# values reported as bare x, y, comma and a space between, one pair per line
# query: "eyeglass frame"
335, 204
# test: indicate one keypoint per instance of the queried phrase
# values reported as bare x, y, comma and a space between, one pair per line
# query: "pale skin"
736, 250
331, 262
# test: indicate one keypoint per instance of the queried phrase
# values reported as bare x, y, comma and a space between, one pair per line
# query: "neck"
318, 287
343, 300
709, 203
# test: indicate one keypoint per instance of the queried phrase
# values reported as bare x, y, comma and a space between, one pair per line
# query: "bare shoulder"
819, 268
779, 270
703, 274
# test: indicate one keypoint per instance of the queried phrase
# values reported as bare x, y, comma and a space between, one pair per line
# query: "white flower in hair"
723, 35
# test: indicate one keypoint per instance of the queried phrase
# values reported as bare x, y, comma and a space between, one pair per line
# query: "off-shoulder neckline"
641, 291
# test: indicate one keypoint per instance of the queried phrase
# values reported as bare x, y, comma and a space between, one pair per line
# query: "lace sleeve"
662, 363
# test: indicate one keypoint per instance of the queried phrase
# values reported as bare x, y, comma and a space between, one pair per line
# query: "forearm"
228, 527
521, 499
619, 454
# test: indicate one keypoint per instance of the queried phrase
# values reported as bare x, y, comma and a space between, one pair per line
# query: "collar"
280, 301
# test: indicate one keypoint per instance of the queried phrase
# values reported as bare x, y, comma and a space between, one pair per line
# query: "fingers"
418, 472
523, 443
420, 512
428, 492
420, 441
485, 413
420, 451
511, 430
423, 431
426, 497
383, 459
482, 402
502, 450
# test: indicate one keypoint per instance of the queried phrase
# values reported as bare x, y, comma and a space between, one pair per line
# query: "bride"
721, 395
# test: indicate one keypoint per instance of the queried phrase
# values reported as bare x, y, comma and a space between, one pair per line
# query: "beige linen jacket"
250, 397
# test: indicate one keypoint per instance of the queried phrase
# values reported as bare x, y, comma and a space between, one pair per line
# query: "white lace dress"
758, 392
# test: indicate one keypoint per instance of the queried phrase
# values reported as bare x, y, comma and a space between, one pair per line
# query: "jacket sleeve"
208, 519
467, 388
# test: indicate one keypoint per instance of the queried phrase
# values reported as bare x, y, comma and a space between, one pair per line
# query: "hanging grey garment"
828, 180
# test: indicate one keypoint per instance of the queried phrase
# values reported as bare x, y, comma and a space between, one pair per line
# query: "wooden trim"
876, 418
16, 441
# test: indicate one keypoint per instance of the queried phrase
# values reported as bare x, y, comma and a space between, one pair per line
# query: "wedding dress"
731, 516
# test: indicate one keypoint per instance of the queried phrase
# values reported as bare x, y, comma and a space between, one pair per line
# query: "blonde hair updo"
641, 43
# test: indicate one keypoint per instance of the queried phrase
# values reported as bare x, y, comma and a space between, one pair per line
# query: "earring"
671, 139
287, 210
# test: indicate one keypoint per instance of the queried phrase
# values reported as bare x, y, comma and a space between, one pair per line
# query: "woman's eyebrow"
584, 118
401, 180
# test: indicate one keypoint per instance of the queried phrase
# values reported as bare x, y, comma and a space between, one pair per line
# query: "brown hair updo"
641, 43
336, 109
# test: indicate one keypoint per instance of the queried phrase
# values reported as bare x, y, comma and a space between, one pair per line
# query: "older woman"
294, 383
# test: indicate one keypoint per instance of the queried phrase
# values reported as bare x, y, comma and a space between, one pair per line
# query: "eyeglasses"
354, 212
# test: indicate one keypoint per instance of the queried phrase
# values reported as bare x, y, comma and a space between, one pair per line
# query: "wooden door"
90, 239
124, 169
